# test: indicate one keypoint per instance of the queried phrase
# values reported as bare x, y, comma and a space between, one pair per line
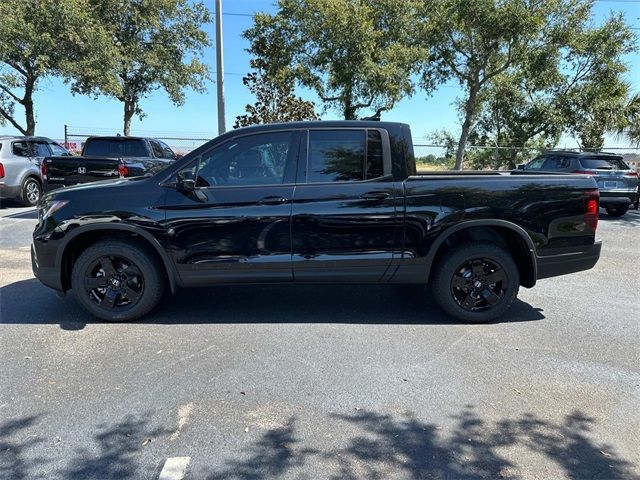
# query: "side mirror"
185, 181
521, 166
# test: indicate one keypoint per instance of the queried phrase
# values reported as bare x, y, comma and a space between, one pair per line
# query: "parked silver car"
20, 159
618, 184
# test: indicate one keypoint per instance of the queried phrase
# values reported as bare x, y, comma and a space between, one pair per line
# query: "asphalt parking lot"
324, 382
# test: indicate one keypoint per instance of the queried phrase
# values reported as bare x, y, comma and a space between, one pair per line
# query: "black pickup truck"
107, 157
314, 202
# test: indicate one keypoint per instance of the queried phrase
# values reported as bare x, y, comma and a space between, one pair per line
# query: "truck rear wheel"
476, 282
617, 211
117, 281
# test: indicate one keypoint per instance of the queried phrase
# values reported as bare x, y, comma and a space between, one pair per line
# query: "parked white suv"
20, 159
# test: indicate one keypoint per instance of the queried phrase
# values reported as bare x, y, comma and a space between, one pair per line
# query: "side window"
21, 149
157, 149
40, 149
58, 151
535, 164
336, 155
374, 166
166, 151
262, 159
554, 162
344, 155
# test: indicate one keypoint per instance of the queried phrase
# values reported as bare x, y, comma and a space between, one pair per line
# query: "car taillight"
1, 170
586, 172
43, 170
631, 174
592, 209
123, 170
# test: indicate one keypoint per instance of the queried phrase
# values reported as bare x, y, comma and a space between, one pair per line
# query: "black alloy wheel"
114, 283
475, 282
118, 280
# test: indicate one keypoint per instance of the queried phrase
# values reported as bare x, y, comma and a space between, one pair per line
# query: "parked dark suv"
617, 182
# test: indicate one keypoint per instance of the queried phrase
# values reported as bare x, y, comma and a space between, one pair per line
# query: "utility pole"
220, 68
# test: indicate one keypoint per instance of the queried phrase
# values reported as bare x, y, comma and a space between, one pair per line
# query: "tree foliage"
355, 54
275, 99
41, 38
595, 94
475, 41
157, 45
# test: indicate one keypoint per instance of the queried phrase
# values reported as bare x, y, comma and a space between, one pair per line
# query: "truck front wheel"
117, 281
476, 282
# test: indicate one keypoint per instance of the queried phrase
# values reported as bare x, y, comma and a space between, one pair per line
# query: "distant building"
633, 160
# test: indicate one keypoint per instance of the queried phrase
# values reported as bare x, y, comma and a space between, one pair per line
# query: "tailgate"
64, 171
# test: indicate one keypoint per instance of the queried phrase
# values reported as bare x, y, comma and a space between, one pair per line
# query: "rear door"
345, 224
236, 226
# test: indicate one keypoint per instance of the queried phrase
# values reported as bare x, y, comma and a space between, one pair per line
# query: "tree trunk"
27, 102
129, 109
469, 113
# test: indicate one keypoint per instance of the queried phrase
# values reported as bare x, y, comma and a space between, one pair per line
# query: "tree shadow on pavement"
272, 455
28, 302
385, 446
14, 445
116, 450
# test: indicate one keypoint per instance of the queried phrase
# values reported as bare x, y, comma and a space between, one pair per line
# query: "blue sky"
198, 117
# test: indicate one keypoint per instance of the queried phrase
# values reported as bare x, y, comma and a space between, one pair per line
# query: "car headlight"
50, 208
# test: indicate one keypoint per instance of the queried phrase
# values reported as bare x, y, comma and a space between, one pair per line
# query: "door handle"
275, 200
375, 195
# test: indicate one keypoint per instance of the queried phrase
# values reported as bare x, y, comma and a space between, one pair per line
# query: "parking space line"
174, 468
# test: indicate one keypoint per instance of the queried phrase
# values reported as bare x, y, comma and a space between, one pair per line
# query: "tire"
31, 192
460, 282
117, 281
617, 211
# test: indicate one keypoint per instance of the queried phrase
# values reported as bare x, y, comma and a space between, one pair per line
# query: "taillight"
631, 174
123, 170
43, 170
592, 209
586, 172
1, 170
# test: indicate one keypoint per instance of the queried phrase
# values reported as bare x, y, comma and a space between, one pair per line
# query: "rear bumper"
618, 198
554, 265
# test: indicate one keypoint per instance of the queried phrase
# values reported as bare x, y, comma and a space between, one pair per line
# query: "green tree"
157, 45
631, 126
355, 54
474, 41
275, 99
42, 38
595, 96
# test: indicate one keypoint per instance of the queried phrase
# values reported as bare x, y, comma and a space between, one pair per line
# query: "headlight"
49, 209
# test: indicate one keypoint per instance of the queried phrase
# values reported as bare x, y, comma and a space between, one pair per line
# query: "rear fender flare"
521, 232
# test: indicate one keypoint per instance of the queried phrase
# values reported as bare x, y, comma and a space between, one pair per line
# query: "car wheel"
31, 192
476, 282
117, 281
617, 211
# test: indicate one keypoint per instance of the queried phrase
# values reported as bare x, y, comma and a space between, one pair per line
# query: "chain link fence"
180, 142
429, 156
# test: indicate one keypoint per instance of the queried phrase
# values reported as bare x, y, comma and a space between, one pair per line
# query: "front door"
236, 225
345, 225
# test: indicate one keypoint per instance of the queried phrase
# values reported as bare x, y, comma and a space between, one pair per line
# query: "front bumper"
49, 276
554, 265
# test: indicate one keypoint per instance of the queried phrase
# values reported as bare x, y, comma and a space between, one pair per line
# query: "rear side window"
21, 149
58, 151
608, 163
344, 155
115, 148
41, 149
161, 150
553, 162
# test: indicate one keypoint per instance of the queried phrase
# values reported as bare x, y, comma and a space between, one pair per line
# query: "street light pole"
220, 68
